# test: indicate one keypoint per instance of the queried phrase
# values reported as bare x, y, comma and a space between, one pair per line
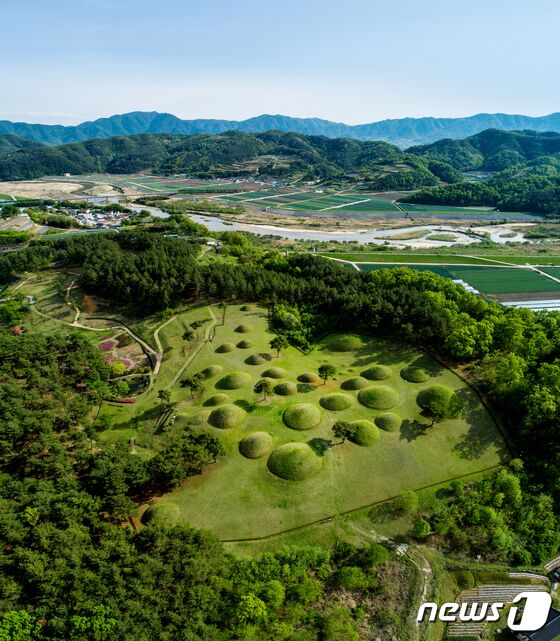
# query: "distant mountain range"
403, 132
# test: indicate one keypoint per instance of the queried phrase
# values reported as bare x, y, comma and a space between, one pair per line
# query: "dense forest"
68, 570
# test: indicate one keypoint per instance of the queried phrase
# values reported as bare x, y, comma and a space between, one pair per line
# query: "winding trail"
190, 359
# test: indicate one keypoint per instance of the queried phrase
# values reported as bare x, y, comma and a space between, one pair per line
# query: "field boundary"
328, 518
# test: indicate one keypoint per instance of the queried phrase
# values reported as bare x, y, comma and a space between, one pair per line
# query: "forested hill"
197, 154
10, 143
401, 131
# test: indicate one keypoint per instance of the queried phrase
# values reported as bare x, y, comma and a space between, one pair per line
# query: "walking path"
190, 359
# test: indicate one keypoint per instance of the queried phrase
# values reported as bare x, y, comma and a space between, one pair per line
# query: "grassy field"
240, 498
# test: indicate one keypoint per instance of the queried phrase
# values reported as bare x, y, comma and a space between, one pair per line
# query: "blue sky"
350, 60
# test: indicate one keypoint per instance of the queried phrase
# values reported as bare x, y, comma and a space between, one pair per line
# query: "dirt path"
160, 350
190, 359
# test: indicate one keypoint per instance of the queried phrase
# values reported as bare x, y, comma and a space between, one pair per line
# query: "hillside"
401, 131
10, 143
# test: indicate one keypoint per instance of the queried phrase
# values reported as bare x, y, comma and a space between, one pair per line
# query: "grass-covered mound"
365, 434
308, 377
415, 374
226, 416
336, 402
255, 359
439, 402
244, 328
246, 308
217, 399
358, 382
294, 462
234, 380
379, 397
286, 389
302, 416
377, 373
245, 344
226, 347
345, 344
274, 372
212, 370
388, 422
164, 513
255, 445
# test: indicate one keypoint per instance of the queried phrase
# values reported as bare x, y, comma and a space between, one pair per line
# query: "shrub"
255, 445
464, 579
302, 416
388, 422
234, 380
415, 374
365, 433
226, 416
294, 462
356, 383
377, 373
379, 397
336, 402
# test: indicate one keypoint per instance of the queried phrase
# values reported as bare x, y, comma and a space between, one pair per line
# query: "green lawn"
240, 498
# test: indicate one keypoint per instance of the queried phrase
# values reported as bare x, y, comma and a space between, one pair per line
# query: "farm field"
503, 280
390, 257
242, 498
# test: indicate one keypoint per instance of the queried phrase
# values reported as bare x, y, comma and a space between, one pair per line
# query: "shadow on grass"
305, 388
384, 512
320, 445
246, 405
412, 429
482, 433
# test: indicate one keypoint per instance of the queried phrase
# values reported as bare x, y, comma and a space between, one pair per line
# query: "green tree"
439, 403
250, 609
343, 430
264, 387
407, 502
279, 343
421, 529
326, 371
18, 625
99, 626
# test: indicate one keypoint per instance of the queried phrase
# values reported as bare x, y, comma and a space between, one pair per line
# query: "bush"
415, 374
336, 402
234, 380
356, 383
255, 445
380, 397
226, 416
407, 502
352, 578
388, 422
294, 462
377, 373
464, 579
302, 416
